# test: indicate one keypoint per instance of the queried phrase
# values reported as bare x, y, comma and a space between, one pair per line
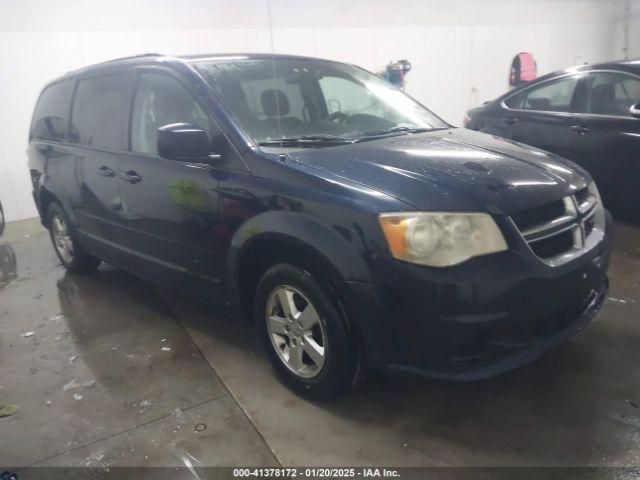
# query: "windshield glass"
312, 100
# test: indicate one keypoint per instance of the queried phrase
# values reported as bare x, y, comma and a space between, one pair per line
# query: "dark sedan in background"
588, 114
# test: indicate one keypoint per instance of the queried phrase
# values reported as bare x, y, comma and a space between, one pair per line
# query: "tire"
65, 243
330, 362
2, 220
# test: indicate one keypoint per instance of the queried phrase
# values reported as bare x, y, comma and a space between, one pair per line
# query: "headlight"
441, 239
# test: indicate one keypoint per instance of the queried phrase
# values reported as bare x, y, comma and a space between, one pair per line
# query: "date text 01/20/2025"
316, 473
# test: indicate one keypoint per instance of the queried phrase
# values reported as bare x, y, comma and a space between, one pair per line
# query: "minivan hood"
452, 170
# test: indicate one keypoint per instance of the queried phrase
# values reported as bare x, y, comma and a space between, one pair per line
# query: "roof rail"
141, 55
130, 57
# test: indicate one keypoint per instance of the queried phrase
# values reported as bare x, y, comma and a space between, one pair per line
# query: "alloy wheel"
62, 241
296, 331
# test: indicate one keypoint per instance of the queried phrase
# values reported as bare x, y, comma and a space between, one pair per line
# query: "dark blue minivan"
356, 228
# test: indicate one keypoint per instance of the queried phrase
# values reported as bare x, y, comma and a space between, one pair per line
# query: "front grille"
589, 225
559, 230
538, 216
553, 246
582, 195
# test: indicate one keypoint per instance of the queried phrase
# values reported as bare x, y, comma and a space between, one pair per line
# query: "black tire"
81, 261
342, 353
2, 220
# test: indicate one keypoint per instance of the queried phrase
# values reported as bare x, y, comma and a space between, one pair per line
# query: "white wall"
460, 49
633, 44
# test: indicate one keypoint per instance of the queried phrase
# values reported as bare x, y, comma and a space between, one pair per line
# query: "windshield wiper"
306, 141
396, 130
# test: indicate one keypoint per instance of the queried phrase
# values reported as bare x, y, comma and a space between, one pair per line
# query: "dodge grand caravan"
356, 228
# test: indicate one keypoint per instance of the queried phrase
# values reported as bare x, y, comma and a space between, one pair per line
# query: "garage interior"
110, 371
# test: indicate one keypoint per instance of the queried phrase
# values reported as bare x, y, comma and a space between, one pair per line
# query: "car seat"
275, 105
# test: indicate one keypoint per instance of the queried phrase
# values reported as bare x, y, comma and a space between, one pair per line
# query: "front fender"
342, 255
346, 256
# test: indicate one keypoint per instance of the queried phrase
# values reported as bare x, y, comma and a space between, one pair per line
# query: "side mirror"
184, 142
635, 110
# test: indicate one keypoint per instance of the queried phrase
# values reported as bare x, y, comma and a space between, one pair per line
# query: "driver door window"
553, 96
161, 100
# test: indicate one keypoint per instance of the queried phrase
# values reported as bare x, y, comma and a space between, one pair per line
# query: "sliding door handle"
130, 176
510, 120
105, 171
580, 130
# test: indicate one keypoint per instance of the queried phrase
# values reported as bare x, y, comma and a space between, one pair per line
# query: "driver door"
541, 115
172, 207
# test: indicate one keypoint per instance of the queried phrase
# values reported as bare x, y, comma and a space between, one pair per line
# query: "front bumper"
487, 316
498, 348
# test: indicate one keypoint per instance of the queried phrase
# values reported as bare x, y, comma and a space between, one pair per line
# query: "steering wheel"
338, 116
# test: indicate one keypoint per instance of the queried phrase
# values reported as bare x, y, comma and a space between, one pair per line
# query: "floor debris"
70, 385
88, 383
77, 396
27, 334
166, 349
8, 410
619, 300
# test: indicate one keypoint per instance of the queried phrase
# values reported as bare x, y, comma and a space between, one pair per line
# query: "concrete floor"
118, 373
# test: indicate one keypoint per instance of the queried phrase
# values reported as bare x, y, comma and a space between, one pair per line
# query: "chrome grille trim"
588, 204
574, 219
547, 234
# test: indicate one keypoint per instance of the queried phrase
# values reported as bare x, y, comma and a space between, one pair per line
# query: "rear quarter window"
100, 112
51, 116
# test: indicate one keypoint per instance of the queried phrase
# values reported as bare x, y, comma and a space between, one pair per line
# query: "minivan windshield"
307, 102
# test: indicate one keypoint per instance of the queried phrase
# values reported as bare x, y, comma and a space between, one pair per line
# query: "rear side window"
100, 112
610, 93
50, 118
553, 96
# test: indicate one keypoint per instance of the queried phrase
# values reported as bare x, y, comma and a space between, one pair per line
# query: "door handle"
44, 149
105, 171
510, 120
580, 130
130, 176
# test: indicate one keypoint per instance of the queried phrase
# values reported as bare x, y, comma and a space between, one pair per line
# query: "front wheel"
65, 243
305, 333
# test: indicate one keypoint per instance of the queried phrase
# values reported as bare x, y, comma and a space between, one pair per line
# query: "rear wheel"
65, 243
2, 221
305, 333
